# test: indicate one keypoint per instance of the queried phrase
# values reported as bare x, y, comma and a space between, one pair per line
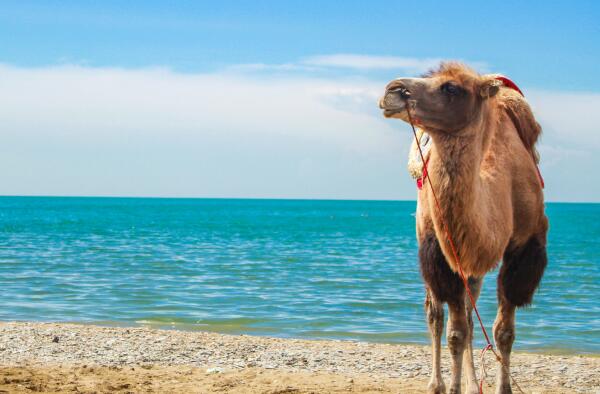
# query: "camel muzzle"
395, 98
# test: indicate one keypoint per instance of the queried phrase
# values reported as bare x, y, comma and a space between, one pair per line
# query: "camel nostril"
402, 91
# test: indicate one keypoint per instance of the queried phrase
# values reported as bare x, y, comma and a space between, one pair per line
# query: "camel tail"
519, 111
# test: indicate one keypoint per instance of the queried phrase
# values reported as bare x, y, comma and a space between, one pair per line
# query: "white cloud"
350, 63
569, 144
79, 130
570, 118
262, 67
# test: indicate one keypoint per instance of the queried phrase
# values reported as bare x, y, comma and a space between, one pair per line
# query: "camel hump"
519, 112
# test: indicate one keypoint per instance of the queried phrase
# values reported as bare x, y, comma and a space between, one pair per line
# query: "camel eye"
451, 89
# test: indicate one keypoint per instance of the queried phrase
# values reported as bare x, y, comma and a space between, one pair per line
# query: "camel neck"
454, 167
454, 163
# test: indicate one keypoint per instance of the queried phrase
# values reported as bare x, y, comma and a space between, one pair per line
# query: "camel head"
445, 100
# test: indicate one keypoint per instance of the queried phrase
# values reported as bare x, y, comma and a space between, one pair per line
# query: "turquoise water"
309, 269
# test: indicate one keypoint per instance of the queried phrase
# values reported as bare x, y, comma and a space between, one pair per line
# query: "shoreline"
178, 327
61, 357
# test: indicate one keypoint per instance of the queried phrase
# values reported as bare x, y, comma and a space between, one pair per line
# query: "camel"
482, 163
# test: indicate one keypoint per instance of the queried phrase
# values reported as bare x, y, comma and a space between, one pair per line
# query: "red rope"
446, 230
483, 371
489, 345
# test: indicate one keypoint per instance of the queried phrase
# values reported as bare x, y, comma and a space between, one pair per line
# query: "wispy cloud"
366, 62
259, 67
97, 131
348, 62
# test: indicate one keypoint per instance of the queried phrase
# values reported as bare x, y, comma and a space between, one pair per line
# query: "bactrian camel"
482, 163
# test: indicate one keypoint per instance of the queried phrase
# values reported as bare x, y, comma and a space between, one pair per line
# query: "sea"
314, 269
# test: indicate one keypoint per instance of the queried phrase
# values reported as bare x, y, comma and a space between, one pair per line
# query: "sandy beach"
69, 358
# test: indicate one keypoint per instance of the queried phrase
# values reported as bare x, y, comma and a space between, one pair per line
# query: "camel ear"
490, 87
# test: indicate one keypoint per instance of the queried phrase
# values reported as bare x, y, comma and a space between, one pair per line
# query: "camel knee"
504, 337
457, 340
436, 322
434, 311
434, 316
475, 286
521, 272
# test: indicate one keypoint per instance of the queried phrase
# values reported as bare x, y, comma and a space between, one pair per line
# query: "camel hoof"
504, 389
472, 389
455, 390
435, 387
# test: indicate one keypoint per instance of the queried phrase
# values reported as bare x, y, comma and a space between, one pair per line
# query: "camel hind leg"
519, 277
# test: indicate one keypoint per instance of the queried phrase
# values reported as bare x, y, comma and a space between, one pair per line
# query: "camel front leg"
457, 333
443, 285
472, 384
435, 321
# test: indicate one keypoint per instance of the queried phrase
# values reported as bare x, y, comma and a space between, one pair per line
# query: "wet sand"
69, 358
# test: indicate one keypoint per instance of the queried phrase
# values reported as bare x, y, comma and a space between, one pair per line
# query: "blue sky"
271, 99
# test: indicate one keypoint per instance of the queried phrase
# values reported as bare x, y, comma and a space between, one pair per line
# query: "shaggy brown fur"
445, 284
521, 272
528, 128
482, 164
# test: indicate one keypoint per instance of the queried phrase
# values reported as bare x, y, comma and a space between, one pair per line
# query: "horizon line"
243, 198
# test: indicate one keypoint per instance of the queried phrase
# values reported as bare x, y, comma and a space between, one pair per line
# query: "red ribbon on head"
509, 84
